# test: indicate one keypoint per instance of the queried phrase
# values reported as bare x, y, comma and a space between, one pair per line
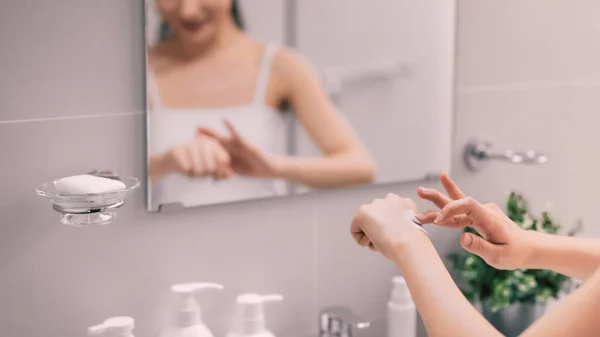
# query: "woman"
215, 99
383, 226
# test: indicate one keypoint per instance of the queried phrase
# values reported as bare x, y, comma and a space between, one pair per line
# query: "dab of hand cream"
88, 184
410, 215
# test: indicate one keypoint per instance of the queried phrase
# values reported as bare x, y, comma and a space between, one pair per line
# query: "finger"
223, 161
355, 227
220, 174
194, 157
433, 195
453, 191
457, 221
209, 158
364, 241
232, 130
212, 133
358, 237
195, 153
183, 161
373, 248
478, 246
467, 206
427, 217
462, 220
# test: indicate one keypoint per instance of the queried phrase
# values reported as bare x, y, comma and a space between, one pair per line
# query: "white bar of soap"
87, 184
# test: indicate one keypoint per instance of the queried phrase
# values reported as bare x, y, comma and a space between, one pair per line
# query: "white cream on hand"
410, 215
88, 184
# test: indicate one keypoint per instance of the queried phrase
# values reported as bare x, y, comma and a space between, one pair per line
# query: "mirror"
260, 99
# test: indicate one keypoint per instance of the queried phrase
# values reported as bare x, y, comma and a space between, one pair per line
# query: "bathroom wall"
71, 100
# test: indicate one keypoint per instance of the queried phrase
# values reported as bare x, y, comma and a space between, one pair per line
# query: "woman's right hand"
201, 157
503, 244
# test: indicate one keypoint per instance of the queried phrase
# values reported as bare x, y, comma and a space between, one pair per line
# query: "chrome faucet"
340, 322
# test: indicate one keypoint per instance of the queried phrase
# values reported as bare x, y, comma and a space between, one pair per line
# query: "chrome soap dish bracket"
83, 210
479, 153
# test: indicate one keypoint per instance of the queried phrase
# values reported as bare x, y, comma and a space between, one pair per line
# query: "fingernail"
439, 218
468, 240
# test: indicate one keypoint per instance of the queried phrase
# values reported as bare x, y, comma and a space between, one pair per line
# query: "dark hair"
236, 14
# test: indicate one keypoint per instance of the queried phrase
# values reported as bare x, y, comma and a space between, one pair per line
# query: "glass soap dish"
82, 210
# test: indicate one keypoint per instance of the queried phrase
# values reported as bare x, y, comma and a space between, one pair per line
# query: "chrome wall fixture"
479, 153
340, 322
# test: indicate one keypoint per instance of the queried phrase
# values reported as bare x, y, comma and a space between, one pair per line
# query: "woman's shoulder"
289, 63
288, 57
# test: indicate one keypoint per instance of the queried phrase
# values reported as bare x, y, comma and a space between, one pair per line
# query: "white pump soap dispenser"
249, 318
114, 327
402, 312
187, 319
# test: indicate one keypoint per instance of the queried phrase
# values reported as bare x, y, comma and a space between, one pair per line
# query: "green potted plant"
510, 299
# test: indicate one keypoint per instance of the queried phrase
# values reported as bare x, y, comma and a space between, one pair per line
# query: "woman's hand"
201, 157
383, 225
246, 158
503, 244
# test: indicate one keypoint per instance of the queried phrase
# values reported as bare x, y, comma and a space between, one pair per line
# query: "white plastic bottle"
402, 313
187, 319
249, 319
114, 327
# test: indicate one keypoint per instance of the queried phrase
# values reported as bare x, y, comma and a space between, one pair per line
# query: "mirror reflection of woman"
216, 127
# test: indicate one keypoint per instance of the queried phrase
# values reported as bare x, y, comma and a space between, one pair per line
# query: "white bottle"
114, 327
187, 319
249, 319
402, 313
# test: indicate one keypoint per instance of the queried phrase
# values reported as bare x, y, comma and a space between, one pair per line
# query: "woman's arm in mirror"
158, 167
200, 158
346, 161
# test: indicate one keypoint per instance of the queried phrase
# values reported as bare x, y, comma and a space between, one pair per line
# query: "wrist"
158, 166
534, 243
166, 163
416, 247
279, 166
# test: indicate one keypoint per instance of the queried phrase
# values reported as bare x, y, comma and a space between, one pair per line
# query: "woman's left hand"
246, 158
384, 227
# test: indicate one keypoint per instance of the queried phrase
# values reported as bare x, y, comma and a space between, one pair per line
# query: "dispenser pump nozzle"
189, 311
250, 312
114, 327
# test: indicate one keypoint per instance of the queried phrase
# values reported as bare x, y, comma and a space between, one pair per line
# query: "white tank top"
260, 124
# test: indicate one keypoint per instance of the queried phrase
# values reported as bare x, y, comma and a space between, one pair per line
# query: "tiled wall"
71, 100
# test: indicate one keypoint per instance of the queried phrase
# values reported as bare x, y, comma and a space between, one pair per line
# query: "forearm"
443, 308
157, 167
575, 316
574, 257
327, 172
